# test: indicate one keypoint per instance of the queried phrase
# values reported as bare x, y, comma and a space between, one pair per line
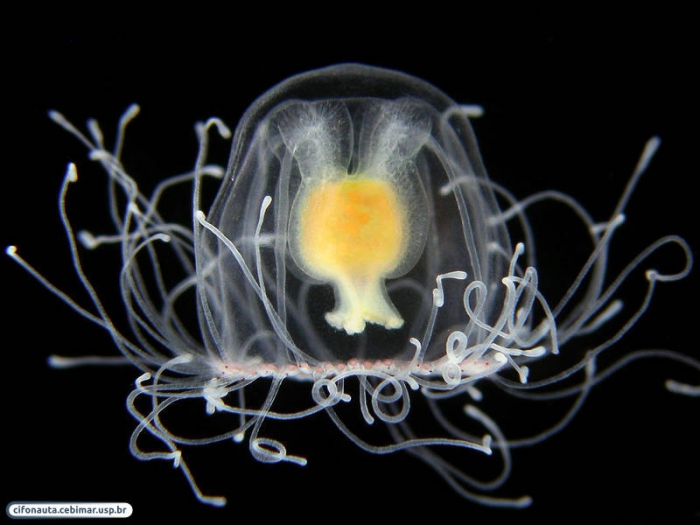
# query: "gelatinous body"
357, 249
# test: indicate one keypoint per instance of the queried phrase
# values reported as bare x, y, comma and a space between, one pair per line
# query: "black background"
570, 99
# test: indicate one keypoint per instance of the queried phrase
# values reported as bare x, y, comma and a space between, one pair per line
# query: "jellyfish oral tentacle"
361, 301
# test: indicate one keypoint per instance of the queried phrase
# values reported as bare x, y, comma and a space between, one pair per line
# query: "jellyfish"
357, 251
